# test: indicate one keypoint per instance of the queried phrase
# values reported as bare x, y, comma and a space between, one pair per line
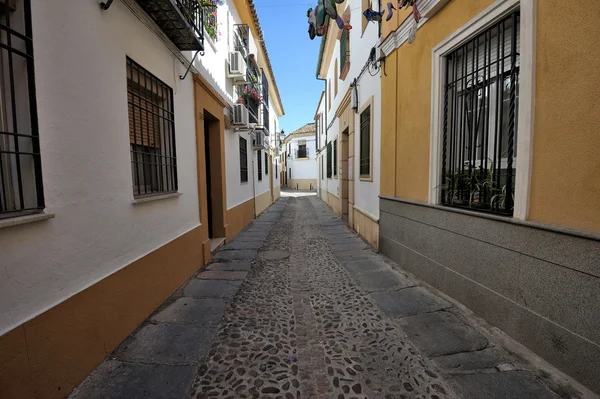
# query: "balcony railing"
252, 110
241, 39
181, 20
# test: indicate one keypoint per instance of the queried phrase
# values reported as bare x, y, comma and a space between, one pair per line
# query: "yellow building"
490, 187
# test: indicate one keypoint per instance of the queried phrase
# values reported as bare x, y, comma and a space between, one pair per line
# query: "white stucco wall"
80, 63
366, 193
303, 168
237, 192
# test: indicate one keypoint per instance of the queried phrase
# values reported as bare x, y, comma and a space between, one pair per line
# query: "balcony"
252, 110
180, 20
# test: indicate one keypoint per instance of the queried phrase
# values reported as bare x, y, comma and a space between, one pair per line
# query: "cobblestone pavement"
300, 328
298, 306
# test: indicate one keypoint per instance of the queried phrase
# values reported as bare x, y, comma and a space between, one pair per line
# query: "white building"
117, 169
351, 130
300, 153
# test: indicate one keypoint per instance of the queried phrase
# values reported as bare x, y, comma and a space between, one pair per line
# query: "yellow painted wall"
565, 187
262, 202
565, 181
48, 356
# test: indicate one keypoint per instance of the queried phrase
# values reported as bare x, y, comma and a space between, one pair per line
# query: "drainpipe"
326, 125
253, 187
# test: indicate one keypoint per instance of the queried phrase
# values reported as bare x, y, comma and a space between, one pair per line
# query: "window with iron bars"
21, 188
479, 151
335, 171
329, 160
365, 142
267, 157
302, 151
151, 132
243, 160
259, 164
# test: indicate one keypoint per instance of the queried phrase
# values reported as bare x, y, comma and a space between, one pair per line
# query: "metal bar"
512, 115
105, 5
136, 168
11, 74
8, 30
190, 65
173, 151
8, 47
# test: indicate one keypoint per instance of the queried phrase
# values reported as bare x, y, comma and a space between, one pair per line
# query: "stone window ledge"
19, 220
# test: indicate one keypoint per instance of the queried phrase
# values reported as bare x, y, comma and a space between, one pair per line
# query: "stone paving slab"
167, 344
243, 245
221, 275
354, 253
483, 360
408, 302
345, 240
192, 311
442, 333
251, 237
243, 265
362, 266
349, 246
506, 385
238, 254
196, 288
120, 380
382, 280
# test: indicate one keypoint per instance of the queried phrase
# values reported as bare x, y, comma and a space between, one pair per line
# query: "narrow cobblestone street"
297, 306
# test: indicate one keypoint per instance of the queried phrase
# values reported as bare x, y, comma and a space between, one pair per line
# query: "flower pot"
241, 100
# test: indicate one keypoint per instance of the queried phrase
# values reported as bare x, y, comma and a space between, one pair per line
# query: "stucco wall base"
540, 287
238, 217
262, 202
302, 184
366, 227
334, 203
48, 356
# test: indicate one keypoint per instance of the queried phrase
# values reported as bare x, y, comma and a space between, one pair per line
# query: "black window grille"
243, 160
151, 132
365, 142
21, 188
210, 19
259, 163
335, 158
267, 163
302, 152
329, 160
265, 101
481, 99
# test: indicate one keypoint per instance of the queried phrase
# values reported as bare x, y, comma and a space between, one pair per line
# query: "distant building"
299, 156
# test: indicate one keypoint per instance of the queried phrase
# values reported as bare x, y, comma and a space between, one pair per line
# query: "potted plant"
250, 93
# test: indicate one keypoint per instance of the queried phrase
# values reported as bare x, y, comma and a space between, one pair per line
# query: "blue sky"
293, 57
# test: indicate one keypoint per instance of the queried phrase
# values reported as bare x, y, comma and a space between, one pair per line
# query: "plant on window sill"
480, 186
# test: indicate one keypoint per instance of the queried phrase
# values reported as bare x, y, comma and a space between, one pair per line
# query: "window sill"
302, 159
366, 178
19, 220
143, 200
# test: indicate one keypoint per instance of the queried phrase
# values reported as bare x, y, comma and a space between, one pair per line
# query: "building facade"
489, 188
118, 176
349, 131
300, 153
